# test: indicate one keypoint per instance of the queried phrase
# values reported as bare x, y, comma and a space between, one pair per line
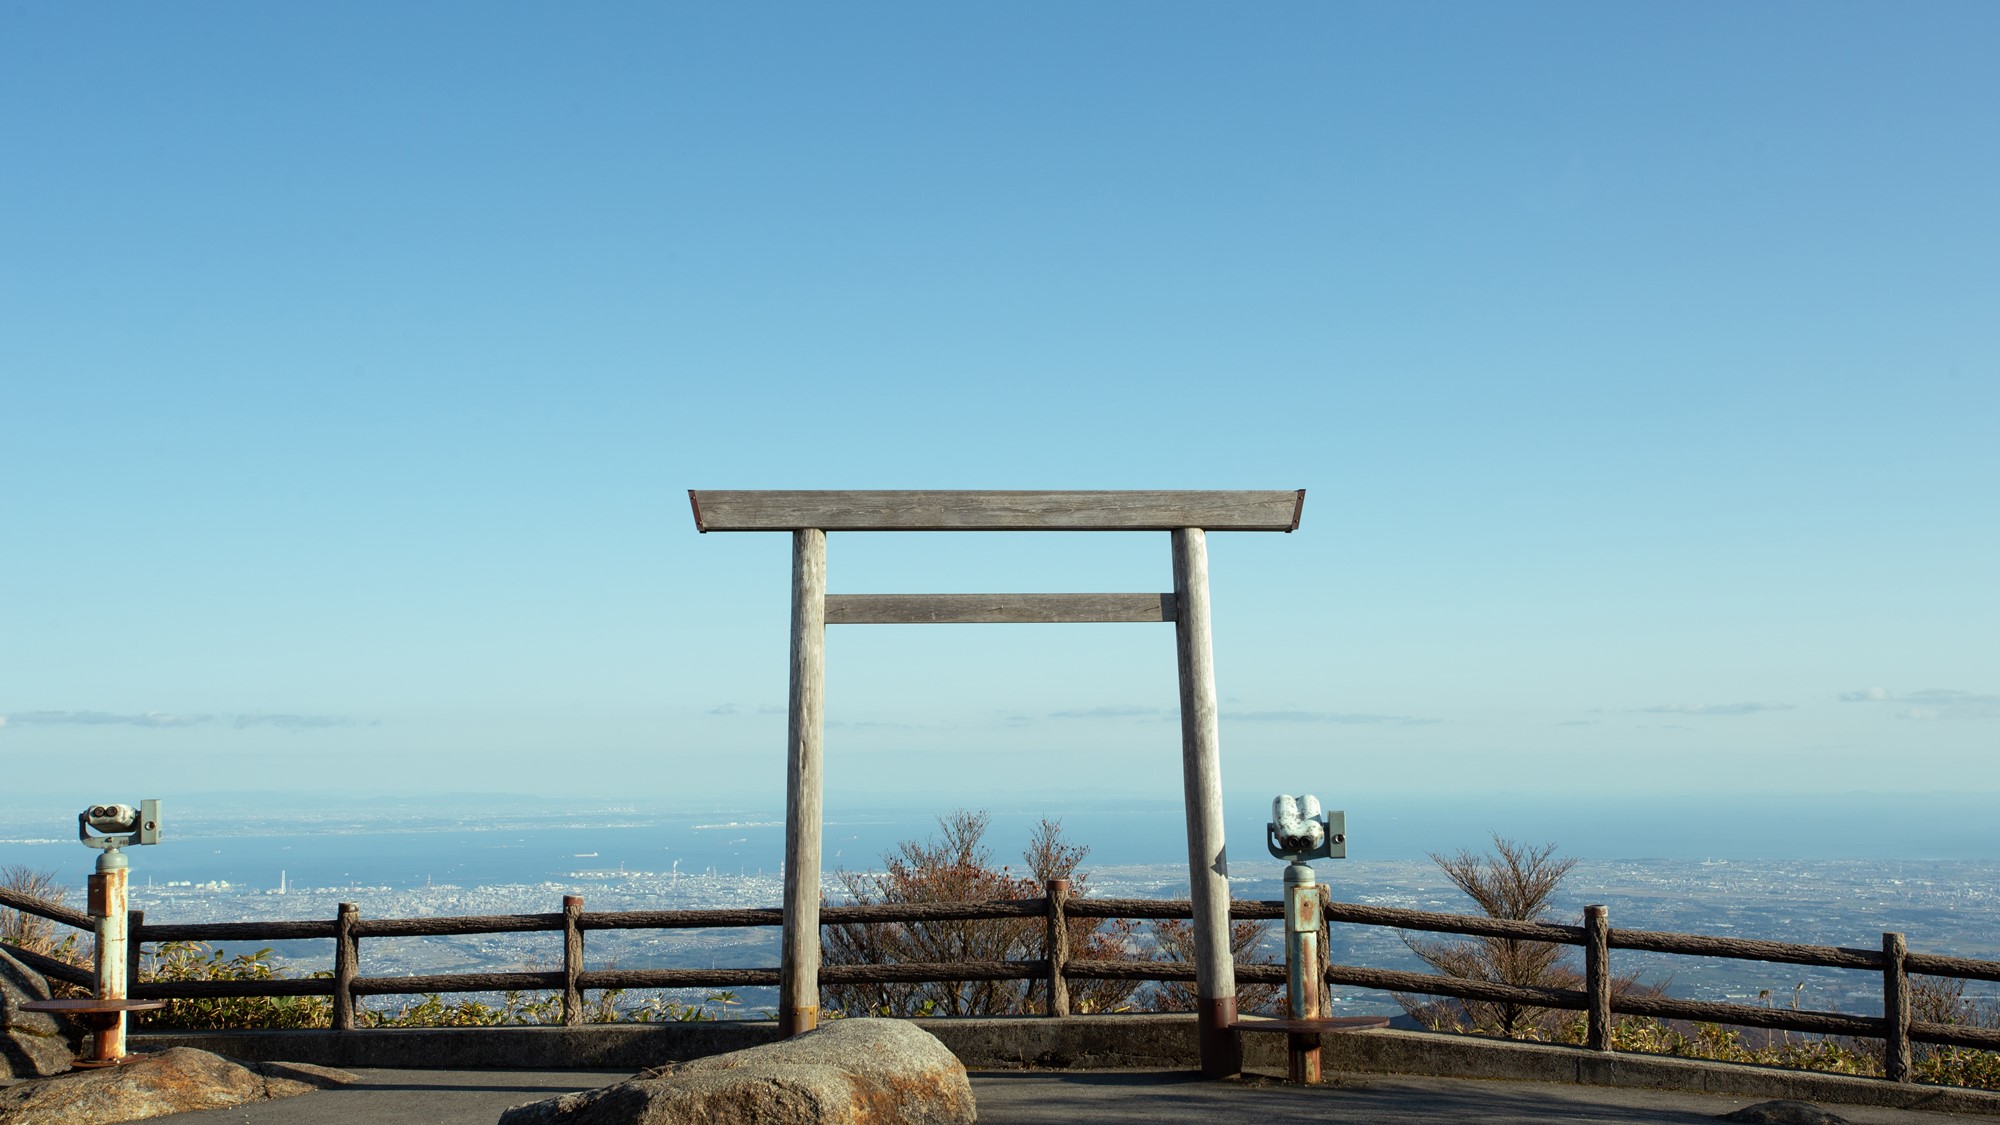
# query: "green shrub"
199, 961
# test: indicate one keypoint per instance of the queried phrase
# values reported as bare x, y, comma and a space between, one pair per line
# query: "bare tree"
1516, 882
956, 866
1174, 940
29, 931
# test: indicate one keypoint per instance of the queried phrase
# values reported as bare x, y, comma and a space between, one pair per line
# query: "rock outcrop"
32, 1044
848, 1072
172, 1081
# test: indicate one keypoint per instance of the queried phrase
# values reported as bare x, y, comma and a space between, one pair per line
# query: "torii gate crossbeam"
1187, 515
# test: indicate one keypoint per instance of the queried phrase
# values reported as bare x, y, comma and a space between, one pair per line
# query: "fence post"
572, 1004
346, 965
1056, 945
134, 919
1895, 1009
1597, 976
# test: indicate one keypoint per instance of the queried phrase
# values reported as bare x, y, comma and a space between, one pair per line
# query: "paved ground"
468, 1097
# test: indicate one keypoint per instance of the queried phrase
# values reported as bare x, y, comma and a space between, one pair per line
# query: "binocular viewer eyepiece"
113, 818
121, 825
1299, 832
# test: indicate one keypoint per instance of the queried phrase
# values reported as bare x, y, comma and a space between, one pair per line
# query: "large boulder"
173, 1081
32, 1044
849, 1072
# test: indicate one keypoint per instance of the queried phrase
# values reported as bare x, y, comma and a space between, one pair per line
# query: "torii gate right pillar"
1201, 777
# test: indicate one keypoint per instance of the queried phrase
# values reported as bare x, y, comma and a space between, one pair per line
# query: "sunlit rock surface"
172, 1081
848, 1072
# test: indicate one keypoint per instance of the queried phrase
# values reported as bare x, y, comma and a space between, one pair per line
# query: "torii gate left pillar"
1188, 516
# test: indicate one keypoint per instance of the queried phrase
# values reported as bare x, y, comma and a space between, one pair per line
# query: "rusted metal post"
1056, 944
1201, 779
346, 965
1895, 1008
798, 980
572, 1001
1325, 948
1597, 976
1303, 980
108, 910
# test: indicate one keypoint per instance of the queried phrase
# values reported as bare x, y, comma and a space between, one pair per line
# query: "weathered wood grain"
1745, 1015
457, 982
50, 967
798, 990
1055, 947
1896, 1056
28, 904
682, 919
572, 1000
942, 609
135, 950
236, 931
1475, 925
463, 924
936, 911
1956, 1035
677, 978
1597, 977
1201, 785
213, 989
346, 964
904, 510
920, 971
1936, 965
1393, 980
1746, 949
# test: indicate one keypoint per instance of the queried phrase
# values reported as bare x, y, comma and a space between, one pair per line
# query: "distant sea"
474, 842
1839, 872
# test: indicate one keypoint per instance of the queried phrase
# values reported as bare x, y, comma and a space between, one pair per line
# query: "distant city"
414, 861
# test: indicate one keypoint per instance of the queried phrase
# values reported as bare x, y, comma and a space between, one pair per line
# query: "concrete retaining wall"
1097, 1042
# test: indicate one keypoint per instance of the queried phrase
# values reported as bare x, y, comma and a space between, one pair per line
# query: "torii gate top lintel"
1187, 515
905, 510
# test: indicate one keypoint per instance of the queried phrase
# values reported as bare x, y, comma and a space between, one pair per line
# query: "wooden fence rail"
1057, 967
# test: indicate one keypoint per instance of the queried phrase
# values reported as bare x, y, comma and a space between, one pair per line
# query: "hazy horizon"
1736, 826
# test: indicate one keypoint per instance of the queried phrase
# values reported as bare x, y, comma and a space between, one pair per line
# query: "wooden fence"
1597, 998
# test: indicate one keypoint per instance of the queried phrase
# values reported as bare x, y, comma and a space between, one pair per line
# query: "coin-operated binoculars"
1299, 832
116, 827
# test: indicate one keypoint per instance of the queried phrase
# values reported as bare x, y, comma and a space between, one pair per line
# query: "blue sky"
1641, 362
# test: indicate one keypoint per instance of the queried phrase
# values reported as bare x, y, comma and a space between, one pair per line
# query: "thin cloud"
168, 720
300, 722
872, 724
1110, 712
1714, 708
1347, 718
110, 718
1931, 703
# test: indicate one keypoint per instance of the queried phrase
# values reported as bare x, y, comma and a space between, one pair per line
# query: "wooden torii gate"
1187, 516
